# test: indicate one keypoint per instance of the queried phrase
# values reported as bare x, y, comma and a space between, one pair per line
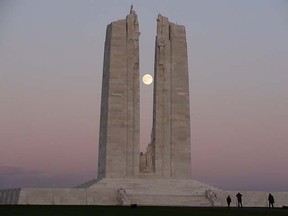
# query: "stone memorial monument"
169, 153
162, 175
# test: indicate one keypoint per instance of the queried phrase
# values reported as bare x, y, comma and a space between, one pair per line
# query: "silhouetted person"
271, 200
228, 199
239, 199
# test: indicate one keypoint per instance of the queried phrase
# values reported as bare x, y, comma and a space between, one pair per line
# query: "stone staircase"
168, 200
161, 192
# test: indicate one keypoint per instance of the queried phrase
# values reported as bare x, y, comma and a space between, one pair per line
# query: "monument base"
143, 192
160, 192
140, 192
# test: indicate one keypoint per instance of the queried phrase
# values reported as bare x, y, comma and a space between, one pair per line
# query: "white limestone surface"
143, 192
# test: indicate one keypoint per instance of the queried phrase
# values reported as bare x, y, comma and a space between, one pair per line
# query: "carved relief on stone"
136, 68
160, 25
133, 45
133, 35
161, 50
161, 41
211, 196
135, 25
161, 55
123, 197
146, 160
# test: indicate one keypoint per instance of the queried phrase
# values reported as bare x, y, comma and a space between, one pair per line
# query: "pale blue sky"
51, 55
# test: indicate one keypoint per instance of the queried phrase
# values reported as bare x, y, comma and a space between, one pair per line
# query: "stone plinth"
143, 192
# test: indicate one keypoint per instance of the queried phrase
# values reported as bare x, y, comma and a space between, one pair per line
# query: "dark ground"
30, 210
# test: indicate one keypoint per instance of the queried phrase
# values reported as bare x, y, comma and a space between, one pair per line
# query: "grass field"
17, 210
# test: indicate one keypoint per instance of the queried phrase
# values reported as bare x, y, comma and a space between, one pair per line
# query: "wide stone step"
151, 183
168, 200
156, 186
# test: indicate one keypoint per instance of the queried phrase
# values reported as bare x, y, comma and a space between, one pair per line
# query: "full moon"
147, 79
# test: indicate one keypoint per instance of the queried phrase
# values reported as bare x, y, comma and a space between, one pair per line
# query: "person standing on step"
239, 199
228, 199
271, 200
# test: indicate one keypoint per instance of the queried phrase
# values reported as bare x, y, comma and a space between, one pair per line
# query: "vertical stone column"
171, 110
133, 96
180, 106
119, 122
162, 105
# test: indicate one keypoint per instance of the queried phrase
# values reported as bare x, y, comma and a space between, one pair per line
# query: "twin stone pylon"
162, 176
169, 153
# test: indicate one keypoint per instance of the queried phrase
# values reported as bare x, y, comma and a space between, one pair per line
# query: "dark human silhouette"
228, 199
239, 200
271, 200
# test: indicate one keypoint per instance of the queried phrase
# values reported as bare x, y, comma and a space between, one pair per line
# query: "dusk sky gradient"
51, 55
